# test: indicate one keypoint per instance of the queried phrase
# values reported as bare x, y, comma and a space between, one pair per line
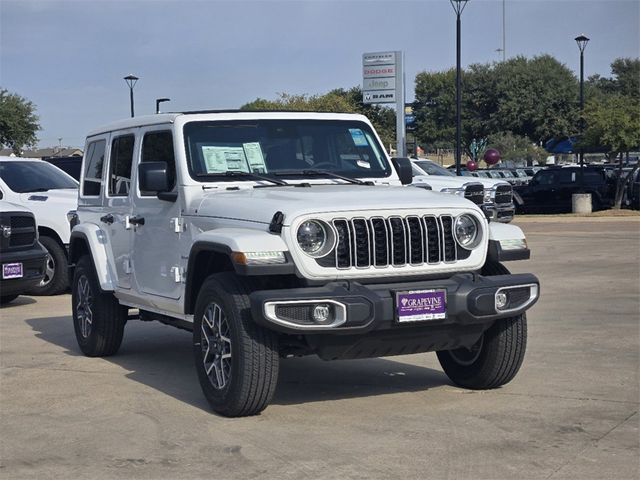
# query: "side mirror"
153, 177
404, 170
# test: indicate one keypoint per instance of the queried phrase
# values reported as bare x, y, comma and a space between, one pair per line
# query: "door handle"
136, 220
108, 219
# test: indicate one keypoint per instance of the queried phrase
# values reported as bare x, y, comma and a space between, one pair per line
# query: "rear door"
116, 220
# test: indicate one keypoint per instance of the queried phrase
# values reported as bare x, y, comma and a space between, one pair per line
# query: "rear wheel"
98, 318
236, 360
56, 277
496, 357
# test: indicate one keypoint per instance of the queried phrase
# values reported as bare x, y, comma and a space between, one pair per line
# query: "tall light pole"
504, 30
458, 7
131, 81
582, 41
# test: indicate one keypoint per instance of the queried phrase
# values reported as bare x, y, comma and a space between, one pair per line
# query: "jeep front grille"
504, 194
475, 193
395, 240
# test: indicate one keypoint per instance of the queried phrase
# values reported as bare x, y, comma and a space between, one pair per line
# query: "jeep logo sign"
382, 75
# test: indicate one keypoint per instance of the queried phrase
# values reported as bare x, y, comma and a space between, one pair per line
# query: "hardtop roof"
203, 115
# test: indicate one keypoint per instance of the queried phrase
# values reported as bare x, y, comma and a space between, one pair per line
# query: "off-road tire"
254, 357
501, 352
108, 316
7, 298
59, 281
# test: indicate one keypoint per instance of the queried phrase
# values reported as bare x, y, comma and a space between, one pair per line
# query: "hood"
490, 182
438, 182
64, 198
12, 207
260, 204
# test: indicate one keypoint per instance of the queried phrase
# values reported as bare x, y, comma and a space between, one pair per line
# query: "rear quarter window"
93, 166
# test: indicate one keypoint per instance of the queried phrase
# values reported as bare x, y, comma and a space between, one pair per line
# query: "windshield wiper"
329, 173
253, 176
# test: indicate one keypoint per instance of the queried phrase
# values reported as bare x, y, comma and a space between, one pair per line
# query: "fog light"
501, 300
321, 313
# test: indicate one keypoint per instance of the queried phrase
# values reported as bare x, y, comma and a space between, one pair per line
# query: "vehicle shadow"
21, 300
160, 357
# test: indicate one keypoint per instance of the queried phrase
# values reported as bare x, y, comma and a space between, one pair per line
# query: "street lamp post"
131, 81
582, 41
458, 7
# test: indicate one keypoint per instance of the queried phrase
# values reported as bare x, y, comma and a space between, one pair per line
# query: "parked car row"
48, 194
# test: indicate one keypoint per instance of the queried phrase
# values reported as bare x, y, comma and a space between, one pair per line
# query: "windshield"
434, 169
38, 176
283, 148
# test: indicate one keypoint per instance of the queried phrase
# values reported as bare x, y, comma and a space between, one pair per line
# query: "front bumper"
33, 264
361, 309
499, 212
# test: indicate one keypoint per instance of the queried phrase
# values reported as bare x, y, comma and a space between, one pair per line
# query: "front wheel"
56, 278
494, 360
98, 317
236, 360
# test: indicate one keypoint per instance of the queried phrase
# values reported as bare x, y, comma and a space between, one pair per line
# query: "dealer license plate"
11, 270
421, 305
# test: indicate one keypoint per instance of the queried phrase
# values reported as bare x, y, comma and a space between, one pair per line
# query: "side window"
546, 178
566, 176
93, 168
158, 147
592, 177
120, 165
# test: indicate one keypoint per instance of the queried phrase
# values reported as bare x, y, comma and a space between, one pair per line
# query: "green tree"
435, 109
625, 80
515, 147
535, 98
18, 121
613, 123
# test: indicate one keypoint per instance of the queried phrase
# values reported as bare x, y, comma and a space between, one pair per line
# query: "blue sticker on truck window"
359, 139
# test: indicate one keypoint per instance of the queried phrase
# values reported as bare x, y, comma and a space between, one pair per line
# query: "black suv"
21, 256
550, 190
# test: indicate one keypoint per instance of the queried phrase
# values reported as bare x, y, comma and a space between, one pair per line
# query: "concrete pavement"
572, 412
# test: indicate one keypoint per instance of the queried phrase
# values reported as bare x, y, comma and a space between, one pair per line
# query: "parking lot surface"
572, 412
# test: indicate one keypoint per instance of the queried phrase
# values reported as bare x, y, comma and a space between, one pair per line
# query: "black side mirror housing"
154, 177
403, 169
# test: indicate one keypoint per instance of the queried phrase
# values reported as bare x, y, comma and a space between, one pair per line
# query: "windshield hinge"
276, 222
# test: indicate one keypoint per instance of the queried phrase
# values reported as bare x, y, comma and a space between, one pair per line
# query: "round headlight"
467, 231
315, 238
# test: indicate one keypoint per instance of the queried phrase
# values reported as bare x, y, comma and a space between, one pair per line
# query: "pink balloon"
472, 166
491, 156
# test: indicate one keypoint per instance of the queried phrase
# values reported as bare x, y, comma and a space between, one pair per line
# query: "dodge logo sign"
6, 231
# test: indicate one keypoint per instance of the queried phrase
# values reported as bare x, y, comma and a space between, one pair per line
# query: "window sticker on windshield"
254, 156
224, 159
359, 140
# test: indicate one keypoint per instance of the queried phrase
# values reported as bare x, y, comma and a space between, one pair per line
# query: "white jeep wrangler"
284, 234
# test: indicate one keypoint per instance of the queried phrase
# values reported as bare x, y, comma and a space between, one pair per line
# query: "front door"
157, 257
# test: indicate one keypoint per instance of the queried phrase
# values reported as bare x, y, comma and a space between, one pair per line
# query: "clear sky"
69, 57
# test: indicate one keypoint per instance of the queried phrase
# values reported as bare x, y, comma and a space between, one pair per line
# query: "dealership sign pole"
383, 82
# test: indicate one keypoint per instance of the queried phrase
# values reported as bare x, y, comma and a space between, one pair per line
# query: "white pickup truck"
286, 234
496, 198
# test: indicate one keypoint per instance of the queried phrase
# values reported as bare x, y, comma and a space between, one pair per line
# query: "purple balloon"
472, 166
491, 156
